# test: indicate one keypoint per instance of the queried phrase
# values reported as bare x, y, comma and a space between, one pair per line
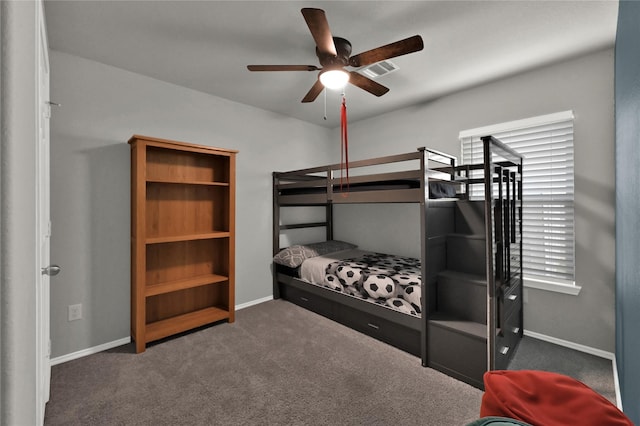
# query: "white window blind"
548, 222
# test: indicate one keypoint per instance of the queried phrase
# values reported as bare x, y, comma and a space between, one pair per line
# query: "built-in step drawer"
307, 300
511, 299
386, 331
508, 339
458, 349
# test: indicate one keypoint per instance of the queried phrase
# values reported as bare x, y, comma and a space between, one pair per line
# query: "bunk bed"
467, 316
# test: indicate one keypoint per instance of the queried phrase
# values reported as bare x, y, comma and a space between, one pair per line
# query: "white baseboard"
616, 382
586, 349
253, 302
125, 340
571, 345
90, 351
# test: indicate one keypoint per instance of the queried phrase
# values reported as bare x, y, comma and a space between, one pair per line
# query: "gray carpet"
596, 372
277, 364
280, 364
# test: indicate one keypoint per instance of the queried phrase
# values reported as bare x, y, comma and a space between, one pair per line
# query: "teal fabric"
497, 421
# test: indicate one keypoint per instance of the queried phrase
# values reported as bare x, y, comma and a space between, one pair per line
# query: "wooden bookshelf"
182, 237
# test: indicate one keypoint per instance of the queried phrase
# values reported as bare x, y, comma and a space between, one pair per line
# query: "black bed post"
489, 248
276, 234
424, 204
329, 220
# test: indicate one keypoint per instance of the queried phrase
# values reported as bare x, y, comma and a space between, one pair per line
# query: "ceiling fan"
334, 54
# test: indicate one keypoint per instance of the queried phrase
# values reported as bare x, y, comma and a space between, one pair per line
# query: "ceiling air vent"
378, 69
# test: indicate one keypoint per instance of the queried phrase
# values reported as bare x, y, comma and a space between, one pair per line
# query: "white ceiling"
206, 45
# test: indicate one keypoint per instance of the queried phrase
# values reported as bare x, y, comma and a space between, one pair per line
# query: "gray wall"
584, 85
2, 71
628, 206
101, 108
18, 268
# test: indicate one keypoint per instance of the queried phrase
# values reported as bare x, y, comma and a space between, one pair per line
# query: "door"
43, 224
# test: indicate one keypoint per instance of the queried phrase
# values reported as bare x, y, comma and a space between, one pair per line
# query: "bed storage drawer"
308, 300
382, 329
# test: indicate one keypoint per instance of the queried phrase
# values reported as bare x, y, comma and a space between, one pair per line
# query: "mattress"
384, 279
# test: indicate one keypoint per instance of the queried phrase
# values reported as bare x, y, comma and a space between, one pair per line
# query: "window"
548, 232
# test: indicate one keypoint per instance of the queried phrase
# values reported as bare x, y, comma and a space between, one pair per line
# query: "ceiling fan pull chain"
325, 104
344, 144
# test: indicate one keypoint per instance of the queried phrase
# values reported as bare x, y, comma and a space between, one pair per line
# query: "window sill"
571, 289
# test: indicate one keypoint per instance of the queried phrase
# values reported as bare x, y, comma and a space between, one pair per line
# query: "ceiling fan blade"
313, 93
399, 48
282, 68
367, 84
319, 27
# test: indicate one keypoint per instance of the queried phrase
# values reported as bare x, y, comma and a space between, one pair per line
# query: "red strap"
344, 158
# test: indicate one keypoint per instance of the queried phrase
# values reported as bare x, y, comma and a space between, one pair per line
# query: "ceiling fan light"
334, 79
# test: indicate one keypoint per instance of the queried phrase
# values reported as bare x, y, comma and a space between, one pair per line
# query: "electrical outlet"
75, 312
526, 295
